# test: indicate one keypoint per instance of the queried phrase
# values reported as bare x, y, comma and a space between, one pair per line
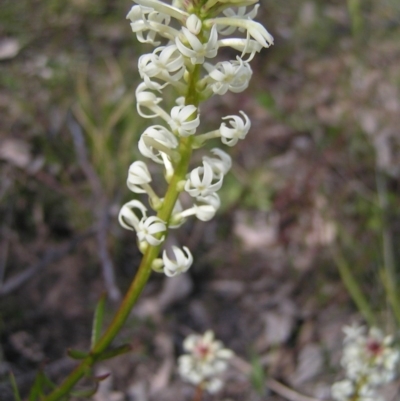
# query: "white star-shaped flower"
181, 121
181, 262
202, 181
190, 45
238, 129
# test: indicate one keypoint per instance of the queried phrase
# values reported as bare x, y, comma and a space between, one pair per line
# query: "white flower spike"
190, 36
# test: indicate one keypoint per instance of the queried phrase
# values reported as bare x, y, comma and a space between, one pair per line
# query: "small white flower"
194, 24
148, 229
229, 75
165, 63
369, 361
190, 45
155, 140
137, 176
245, 46
253, 28
342, 390
204, 208
238, 130
181, 120
164, 8
146, 19
240, 13
128, 218
206, 359
145, 98
222, 163
182, 261
202, 181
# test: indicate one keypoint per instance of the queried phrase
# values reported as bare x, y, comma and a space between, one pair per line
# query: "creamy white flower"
128, 218
238, 129
342, 390
245, 46
165, 63
169, 167
148, 229
176, 219
147, 20
146, 98
202, 181
222, 163
369, 361
254, 29
239, 13
137, 176
181, 262
164, 8
181, 121
229, 75
206, 359
155, 140
194, 24
190, 45
204, 208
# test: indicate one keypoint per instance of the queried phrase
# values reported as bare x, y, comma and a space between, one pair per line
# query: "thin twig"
101, 208
274, 385
50, 256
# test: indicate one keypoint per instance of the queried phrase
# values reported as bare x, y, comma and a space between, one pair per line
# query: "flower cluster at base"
193, 31
369, 361
204, 362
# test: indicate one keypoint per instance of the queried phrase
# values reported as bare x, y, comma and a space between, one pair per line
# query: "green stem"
388, 272
144, 271
354, 289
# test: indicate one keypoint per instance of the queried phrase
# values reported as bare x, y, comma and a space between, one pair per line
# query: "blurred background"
307, 239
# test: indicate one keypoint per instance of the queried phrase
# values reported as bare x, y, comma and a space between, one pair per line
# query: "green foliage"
14, 387
40, 386
77, 354
257, 375
355, 11
98, 320
107, 114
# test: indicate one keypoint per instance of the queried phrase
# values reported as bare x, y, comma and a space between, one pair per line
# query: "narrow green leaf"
37, 390
39, 387
111, 353
77, 354
257, 375
98, 320
14, 386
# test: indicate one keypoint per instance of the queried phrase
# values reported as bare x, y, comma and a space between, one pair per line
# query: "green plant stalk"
354, 289
144, 271
355, 11
388, 272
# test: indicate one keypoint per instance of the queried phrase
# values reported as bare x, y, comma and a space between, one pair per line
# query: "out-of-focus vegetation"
315, 186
